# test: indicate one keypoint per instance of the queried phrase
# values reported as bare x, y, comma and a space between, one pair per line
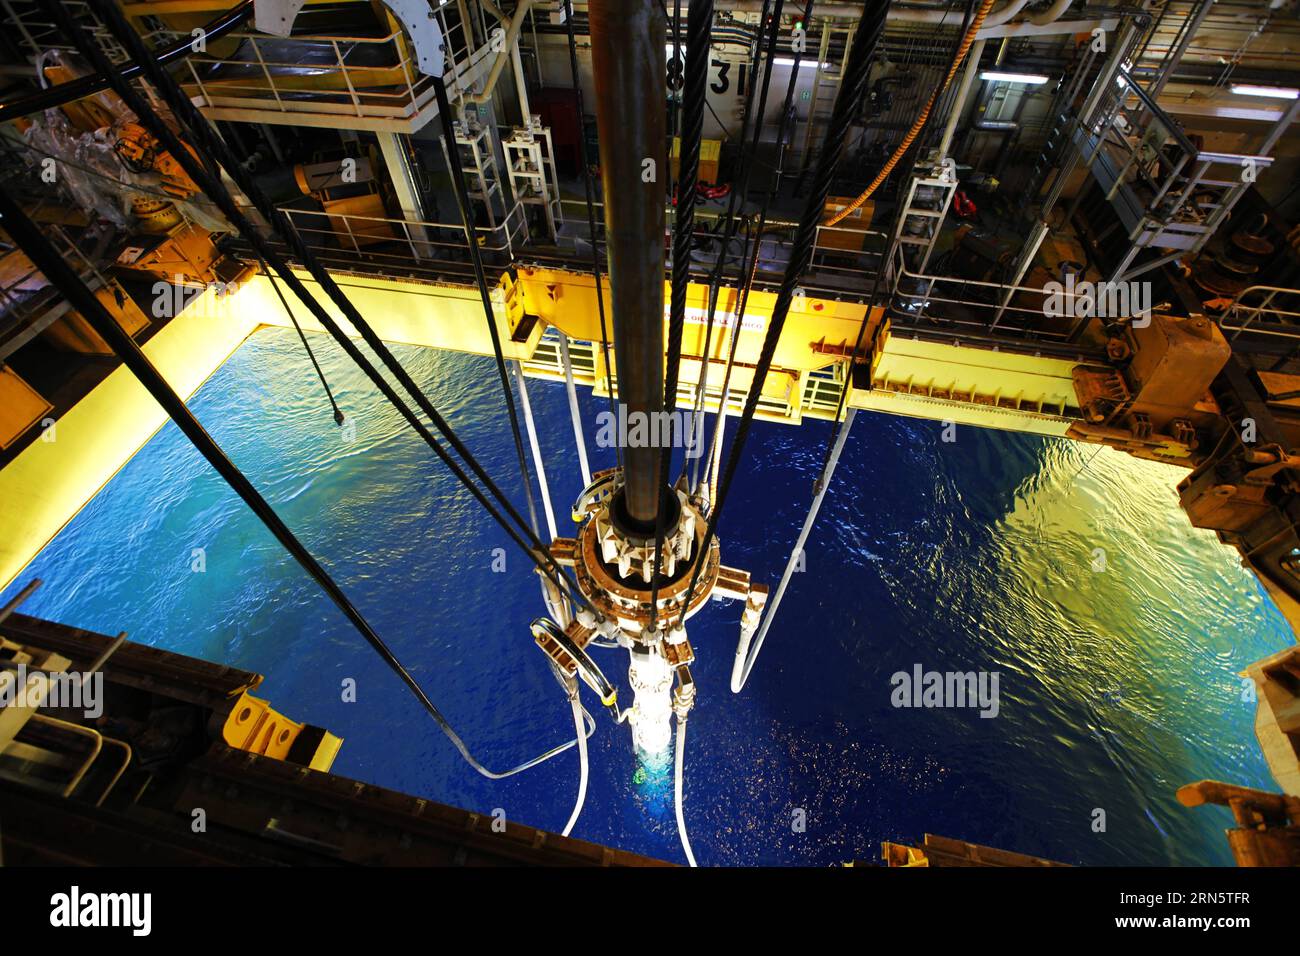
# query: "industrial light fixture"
777, 61
803, 64
1029, 79
1274, 92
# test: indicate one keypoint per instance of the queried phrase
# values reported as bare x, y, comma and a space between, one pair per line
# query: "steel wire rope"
45, 257
869, 30
288, 310
730, 218
202, 133
699, 22
591, 223
461, 191
70, 282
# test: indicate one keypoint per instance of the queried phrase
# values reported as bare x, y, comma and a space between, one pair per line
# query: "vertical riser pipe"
627, 49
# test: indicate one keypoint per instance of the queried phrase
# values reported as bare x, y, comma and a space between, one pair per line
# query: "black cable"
847, 103
753, 254
674, 113
204, 136
84, 86
718, 119
739, 192
591, 221
211, 144
338, 415
699, 23
65, 279
723, 403
881, 267
476, 258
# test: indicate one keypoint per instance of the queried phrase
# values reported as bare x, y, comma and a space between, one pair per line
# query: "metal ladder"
825, 86
929, 194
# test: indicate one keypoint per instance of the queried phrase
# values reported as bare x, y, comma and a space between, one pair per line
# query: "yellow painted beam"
814, 329
971, 386
49, 482
429, 314
21, 406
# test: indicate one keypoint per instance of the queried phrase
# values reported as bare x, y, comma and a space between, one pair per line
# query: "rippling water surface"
1117, 686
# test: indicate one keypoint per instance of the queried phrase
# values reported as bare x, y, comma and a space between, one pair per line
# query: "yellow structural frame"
51, 480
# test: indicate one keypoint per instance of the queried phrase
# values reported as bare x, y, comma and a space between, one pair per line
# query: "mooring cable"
753, 255
63, 277
699, 23
747, 651
591, 225
266, 271
847, 103
735, 204
679, 760
201, 177
211, 144
582, 764
461, 192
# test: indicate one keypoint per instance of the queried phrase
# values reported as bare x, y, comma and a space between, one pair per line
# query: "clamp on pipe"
544, 628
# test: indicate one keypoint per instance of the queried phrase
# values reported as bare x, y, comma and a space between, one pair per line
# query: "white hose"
582, 760
677, 790
745, 656
934, 15
1051, 14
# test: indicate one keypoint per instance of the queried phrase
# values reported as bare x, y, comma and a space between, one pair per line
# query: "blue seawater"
1116, 686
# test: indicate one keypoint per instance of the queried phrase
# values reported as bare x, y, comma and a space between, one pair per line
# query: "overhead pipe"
627, 52
87, 85
513, 29
963, 93
1191, 26
852, 11
1050, 15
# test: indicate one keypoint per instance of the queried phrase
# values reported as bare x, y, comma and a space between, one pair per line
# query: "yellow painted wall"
408, 313
50, 481
46, 485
